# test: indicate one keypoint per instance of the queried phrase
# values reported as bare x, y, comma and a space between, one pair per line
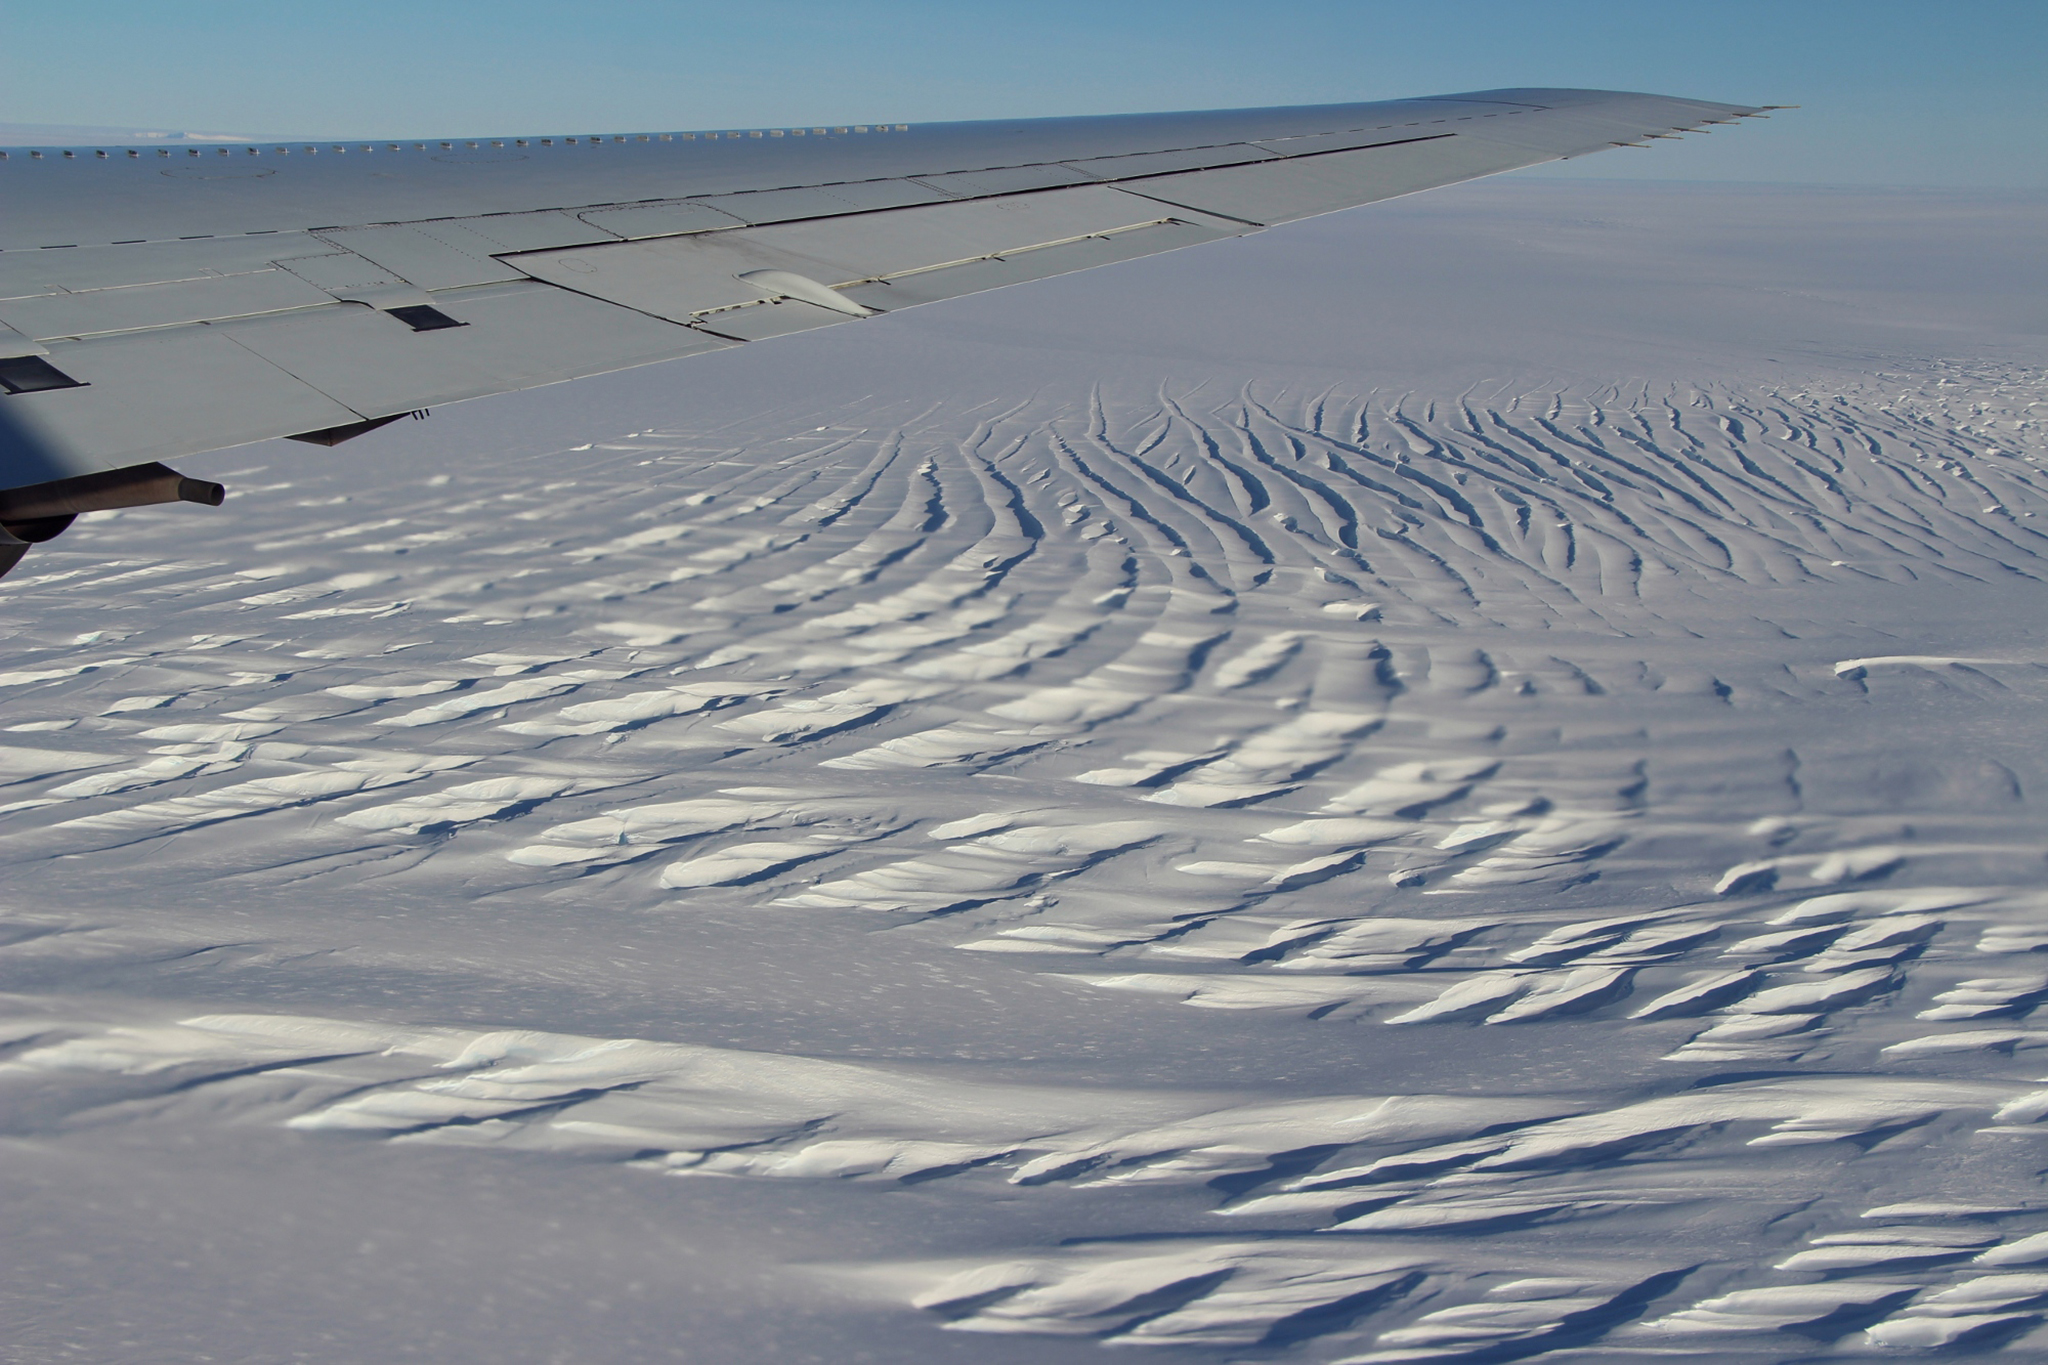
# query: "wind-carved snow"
1347, 875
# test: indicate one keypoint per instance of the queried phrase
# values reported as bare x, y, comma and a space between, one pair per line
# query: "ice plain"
1456, 782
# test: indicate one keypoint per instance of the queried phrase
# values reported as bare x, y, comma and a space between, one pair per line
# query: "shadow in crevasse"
1578, 1329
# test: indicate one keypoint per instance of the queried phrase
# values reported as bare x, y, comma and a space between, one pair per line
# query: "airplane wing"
158, 302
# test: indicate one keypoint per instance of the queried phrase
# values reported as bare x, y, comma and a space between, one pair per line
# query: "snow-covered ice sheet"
1485, 812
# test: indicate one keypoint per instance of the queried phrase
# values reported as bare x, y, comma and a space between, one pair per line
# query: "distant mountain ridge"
77, 134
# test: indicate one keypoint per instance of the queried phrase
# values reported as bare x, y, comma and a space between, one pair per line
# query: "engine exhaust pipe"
142, 485
43, 511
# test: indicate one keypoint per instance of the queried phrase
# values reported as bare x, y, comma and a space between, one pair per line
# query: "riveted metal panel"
1301, 187
782, 206
1006, 180
155, 396
132, 307
761, 321
659, 220
929, 286
347, 276
107, 267
517, 336
681, 277
1157, 163
453, 253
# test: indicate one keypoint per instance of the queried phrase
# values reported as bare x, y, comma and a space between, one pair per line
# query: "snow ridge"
1576, 800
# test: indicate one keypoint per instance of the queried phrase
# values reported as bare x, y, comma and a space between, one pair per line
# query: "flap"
688, 278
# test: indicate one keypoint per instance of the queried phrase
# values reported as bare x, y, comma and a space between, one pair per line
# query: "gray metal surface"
516, 336
1280, 192
140, 307
684, 278
206, 297
155, 395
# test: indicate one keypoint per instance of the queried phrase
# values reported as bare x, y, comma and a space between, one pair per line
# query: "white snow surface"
1451, 783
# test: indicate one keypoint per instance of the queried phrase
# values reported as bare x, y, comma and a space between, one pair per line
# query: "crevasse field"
1457, 782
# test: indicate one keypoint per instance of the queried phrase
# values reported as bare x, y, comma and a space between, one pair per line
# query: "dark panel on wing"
33, 374
334, 436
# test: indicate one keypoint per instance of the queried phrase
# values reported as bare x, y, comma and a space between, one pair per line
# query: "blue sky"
1894, 91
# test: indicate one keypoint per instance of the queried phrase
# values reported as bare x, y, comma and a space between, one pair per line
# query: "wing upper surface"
191, 299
